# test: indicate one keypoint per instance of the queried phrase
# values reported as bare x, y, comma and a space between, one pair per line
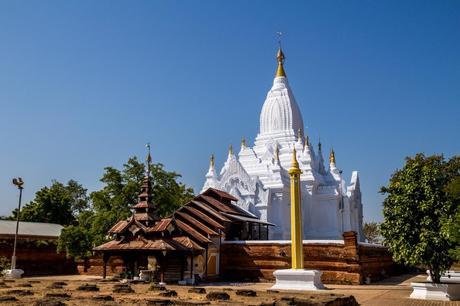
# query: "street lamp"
16, 273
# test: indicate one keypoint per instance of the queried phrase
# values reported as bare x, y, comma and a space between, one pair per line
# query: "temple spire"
211, 162
243, 143
332, 157
280, 71
280, 56
148, 159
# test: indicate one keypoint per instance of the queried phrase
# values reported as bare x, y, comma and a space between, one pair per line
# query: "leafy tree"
58, 203
415, 208
372, 232
4, 264
76, 241
114, 201
452, 223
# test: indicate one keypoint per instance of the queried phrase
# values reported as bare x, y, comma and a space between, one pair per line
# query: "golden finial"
280, 56
243, 143
332, 157
294, 162
277, 152
230, 150
211, 162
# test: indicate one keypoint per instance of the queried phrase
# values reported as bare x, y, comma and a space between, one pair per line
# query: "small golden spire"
332, 157
277, 153
294, 162
230, 150
294, 170
280, 71
212, 162
243, 143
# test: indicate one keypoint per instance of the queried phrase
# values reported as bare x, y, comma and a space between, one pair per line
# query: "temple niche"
258, 176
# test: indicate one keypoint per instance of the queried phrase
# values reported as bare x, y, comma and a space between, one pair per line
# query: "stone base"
14, 273
439, 292
291, 279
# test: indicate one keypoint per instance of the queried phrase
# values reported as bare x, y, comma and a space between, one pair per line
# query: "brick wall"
341, 263
95, 266
38, 257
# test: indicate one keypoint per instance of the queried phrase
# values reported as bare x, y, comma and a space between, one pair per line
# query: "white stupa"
258, 175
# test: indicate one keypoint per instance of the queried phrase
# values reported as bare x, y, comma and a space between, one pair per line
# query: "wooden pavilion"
187, 244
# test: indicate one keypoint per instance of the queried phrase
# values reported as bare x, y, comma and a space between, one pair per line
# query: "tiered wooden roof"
189, 228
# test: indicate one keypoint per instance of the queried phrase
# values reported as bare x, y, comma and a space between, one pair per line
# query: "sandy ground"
393, 291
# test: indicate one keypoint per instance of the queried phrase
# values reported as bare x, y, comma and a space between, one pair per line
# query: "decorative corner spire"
299, 134
243, 143
307, 141
230, 150
211, 161
277, 153
319, 145
332, 157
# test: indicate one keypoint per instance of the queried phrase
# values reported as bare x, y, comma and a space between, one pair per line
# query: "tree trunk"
435, 275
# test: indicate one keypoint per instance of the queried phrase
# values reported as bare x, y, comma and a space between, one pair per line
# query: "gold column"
296, 215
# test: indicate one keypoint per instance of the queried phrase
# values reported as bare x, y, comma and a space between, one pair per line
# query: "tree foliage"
113, 203
121, 188
58, 203
88, 218
372, 232
452, 223
415, 209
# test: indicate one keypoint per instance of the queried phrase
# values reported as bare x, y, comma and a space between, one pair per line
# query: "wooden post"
206, 262
105, 259
191, 267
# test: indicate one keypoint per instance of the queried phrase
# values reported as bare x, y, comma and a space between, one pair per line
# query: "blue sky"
85, 84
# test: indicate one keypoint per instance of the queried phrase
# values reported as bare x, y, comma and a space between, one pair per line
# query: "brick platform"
342, 262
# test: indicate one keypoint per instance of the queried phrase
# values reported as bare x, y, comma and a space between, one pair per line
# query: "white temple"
258, 175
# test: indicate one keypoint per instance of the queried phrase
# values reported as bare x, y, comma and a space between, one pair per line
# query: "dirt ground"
35, 290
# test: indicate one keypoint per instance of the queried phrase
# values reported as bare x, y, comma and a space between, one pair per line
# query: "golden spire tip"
332, 157
280, 71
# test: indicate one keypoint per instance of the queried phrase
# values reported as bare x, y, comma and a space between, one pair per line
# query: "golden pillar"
296, 215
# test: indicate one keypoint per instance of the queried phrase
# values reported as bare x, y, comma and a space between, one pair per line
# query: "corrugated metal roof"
30, 228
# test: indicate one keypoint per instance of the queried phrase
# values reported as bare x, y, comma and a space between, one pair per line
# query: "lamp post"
16, 273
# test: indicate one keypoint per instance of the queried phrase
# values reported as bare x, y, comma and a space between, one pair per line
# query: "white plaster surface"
292, 279
258, 175
439, 292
